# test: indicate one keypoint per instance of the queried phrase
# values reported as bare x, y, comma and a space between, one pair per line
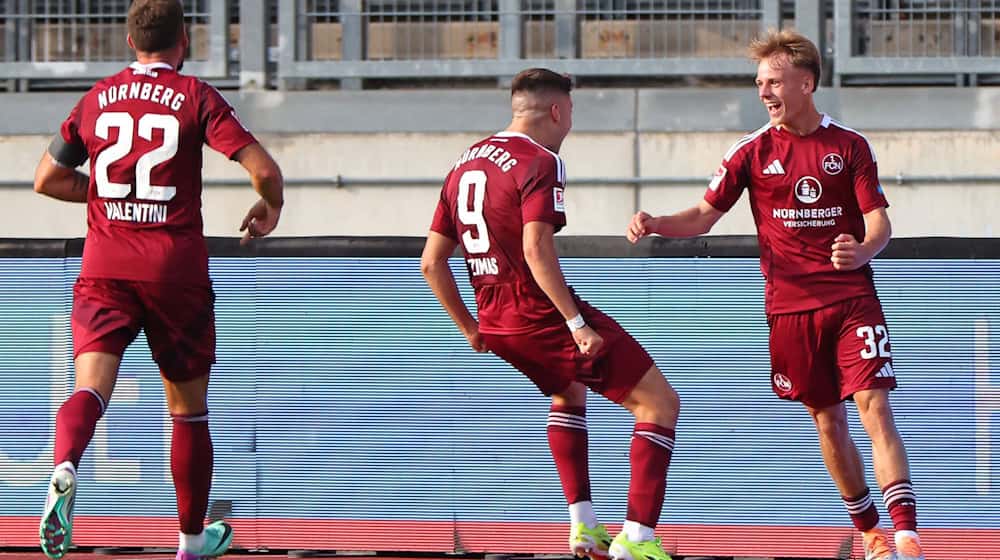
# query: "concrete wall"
681, 134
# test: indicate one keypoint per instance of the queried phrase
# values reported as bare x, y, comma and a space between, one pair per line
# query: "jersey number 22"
144, 189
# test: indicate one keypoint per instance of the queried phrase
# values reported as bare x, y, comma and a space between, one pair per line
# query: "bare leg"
892, 468
654, 401
888, 451
840, 454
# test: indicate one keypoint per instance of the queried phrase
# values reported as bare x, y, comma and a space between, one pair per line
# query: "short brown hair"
155, 25
802, 52
537, 80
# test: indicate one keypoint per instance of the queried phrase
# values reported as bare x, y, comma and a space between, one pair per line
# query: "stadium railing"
878, 40
53, 40
290, 43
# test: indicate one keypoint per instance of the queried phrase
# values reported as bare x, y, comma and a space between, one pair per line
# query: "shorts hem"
103, 346
620, 393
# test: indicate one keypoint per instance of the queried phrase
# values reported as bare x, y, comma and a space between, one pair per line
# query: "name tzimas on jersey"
145, 91
808, 217
479, 266
136, 212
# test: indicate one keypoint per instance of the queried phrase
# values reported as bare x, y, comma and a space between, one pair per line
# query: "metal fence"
67, 39
496, 38
292, 42
890, 38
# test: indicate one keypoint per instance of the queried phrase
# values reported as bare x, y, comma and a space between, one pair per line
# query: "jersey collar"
510, 133
149, 69
824, 122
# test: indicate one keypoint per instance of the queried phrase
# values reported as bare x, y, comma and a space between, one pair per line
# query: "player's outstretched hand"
476, 340
259, 221
639, 227
847, 253
588, 341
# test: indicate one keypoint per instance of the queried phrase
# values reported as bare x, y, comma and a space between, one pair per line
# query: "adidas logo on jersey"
774, 169
886, 371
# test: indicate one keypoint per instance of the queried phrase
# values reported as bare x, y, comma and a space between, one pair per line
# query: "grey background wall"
938, 149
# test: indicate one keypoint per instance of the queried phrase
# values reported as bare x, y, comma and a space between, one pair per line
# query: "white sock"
65, 465
192, 543
907, 534
636, 532
583, 512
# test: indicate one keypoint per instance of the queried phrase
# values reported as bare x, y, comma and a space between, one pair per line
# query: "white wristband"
576, 323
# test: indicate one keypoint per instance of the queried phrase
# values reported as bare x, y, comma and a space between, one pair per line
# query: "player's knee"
661, 407
873, 403
878, 421
574, 395
831, 424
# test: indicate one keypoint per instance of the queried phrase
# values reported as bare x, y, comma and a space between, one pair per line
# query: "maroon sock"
901, 502
652, 447
75, 425
862, 510
567, 429
191, 465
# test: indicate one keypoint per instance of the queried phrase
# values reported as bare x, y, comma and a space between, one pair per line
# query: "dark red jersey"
496, 186
804, 191
143, 130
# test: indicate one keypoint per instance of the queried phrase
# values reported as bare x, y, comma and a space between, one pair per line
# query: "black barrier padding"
319, 247
586, 246
35, 248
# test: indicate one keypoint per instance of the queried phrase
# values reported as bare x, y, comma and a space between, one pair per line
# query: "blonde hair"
801, 52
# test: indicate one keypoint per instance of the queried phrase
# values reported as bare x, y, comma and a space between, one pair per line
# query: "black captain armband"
66, 154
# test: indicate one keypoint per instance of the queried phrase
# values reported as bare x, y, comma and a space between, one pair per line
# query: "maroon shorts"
551, 360
822, 357
179, 320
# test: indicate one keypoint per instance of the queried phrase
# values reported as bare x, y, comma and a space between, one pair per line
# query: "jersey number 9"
476, 180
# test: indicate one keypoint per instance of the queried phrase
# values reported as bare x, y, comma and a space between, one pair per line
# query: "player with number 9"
145, 261
503, 202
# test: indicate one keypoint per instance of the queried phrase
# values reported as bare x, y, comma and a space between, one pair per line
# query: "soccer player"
503, 201
145, 261
820, 215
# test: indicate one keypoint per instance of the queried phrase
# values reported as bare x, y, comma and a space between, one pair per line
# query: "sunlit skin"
546, 117
787, 93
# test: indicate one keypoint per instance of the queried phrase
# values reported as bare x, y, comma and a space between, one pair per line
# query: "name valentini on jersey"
136, 211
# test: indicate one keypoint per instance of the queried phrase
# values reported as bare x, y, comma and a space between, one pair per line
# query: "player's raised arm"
434, 266
265, 176
540, 254
697, 220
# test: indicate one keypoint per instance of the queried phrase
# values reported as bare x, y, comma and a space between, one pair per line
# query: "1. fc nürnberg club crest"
782, 382
833, 164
